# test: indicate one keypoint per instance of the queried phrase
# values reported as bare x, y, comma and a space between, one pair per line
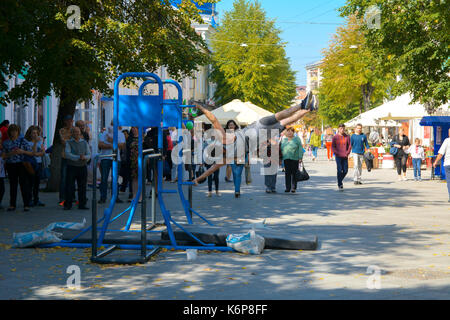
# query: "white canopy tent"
244, 113
398, 109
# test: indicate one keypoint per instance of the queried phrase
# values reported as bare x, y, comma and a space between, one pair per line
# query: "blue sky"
296, 19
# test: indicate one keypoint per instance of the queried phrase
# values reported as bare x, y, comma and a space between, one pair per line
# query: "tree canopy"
113, 37
249, 59
354, 78
412, 37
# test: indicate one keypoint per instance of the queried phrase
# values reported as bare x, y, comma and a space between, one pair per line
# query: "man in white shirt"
444, 152
106, 147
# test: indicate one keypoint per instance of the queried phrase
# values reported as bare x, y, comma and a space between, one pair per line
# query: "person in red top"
4, 130
341, 147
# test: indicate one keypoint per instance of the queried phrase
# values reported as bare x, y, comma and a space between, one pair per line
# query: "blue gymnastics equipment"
142, 111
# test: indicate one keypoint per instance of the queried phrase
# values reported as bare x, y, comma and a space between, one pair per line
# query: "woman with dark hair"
401, 142
231, 125
32, 136
14, 150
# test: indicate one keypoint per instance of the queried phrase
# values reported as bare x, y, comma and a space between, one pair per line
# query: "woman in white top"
444, 152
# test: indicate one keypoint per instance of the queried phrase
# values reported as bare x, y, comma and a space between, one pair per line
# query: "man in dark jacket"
77, 153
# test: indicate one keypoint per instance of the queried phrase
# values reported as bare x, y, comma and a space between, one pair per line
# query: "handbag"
301, 174
199, 172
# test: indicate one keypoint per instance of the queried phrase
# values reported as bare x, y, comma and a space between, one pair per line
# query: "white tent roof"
244, 113
397, 109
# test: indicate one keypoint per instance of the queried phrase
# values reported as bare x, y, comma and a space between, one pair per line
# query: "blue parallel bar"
191, 235
204, 219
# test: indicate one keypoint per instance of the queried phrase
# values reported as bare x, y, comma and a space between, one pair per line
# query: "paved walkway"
401, 228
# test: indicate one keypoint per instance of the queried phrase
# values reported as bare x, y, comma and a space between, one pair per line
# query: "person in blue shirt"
359, 143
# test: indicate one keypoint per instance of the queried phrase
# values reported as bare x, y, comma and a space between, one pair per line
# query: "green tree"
353, 77
114, 37
249, 60
414, 37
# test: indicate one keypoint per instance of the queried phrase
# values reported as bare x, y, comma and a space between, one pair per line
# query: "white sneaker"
209, 194
399, 178
404, 178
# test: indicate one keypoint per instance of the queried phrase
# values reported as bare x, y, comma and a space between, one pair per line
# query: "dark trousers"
35, 181
2, 189
290, 167
342, 169
215, 177
400, 163
78, 174
105, 168
17, 176
62, 180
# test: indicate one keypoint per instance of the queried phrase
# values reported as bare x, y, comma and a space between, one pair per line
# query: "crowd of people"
21, 160
24, 157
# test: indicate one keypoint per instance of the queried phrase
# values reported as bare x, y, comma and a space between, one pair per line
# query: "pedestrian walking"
359, 145
270, 152
292, 153
314, 142
328, 140
401, 142
341, 147
230, 126
77, 153
209, 155
418, 155
444, 152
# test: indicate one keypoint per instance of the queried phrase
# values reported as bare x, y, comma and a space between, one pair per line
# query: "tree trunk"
367, 91
66, 107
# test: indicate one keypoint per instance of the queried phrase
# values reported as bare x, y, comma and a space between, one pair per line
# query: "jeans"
357, 165
270, 180
342, 169
105, 168
314, 151
236, 169
447, 177
291, 167
215, 177
416, 165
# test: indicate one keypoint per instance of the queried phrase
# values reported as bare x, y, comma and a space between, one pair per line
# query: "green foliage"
413, 38
354, 78
115, 37
258, 72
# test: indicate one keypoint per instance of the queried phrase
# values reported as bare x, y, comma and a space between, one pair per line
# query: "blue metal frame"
168, 220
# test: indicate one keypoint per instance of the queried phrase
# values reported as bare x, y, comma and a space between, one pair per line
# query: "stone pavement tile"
401, 227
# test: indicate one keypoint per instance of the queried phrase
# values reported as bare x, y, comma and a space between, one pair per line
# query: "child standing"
417, 155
